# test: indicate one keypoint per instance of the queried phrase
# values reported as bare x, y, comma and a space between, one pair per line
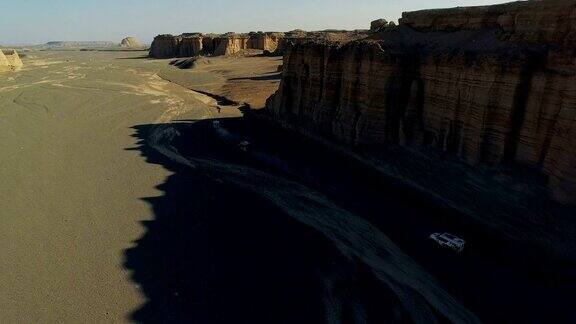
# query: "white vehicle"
244, 145
449, 240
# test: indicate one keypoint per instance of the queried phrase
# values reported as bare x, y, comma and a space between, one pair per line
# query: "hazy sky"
39, 21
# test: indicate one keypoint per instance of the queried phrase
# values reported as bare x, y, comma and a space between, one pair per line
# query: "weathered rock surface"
190, 45
325, 36
10, 60
491, 85
130, 42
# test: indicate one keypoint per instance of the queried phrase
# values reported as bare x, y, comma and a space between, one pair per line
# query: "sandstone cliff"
165, 46
187, 45
491, 85
9, 60
229, 44
190, 45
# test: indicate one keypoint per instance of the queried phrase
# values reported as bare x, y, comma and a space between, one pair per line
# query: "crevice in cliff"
400, 124
533, 62
550, 130
354, 131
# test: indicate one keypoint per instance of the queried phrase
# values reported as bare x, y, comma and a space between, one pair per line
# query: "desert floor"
71, 186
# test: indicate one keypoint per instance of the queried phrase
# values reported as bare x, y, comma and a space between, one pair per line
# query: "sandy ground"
71, 188
243, 79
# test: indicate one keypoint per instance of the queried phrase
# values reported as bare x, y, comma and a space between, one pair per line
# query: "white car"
244, 146
449, 240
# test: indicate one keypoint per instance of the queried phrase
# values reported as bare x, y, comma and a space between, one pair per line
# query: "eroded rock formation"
377, 24
9, 60
492, 85
190, 45
165, 46
187, 45
130, 42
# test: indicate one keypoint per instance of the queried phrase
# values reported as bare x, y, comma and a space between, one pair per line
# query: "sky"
40, 21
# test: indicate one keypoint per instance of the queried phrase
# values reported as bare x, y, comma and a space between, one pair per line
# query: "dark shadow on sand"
268, 77
143, 57
216, 254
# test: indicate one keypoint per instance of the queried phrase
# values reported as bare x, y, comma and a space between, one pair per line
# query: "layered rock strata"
491, 85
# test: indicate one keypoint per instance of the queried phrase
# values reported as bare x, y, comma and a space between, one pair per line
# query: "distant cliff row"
9, 60
491, 85
187, 45
194, 44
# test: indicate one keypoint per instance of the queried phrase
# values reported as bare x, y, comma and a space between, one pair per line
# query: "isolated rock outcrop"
130, 42
378, 24
490, 85
10, 60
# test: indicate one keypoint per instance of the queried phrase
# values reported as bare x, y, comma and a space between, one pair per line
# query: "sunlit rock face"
190, 45
491, 85
130, 42
10, 60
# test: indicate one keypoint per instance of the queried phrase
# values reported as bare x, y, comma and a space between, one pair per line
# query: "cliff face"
190, 45
230, 44
186, 45
9, 60
491, 85
165, 46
